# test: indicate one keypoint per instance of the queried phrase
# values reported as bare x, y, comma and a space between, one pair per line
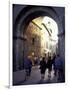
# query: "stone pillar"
17, 55
61, 45
62, 50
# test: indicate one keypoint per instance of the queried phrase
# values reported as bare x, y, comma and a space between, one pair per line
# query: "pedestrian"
53, 61
49, 66
28, 65
42, 67
58, 67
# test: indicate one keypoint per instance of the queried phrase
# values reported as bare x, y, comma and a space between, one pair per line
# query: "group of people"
46, 63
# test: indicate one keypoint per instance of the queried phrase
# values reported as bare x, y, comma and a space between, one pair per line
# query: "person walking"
42, 68
53, 62
28, 65
58, 67
49, 66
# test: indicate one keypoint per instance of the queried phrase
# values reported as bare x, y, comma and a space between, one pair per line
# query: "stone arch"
30, 12
25, 16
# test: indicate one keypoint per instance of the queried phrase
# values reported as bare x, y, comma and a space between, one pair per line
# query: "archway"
41, 38
27, 15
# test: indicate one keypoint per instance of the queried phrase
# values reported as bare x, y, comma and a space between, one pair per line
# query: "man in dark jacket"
59, 67
49, 66
28, 65
42, 67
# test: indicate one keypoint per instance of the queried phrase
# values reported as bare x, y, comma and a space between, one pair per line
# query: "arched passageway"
22, 22
41, 37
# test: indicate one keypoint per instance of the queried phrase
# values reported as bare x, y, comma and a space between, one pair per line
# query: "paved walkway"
35, 77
